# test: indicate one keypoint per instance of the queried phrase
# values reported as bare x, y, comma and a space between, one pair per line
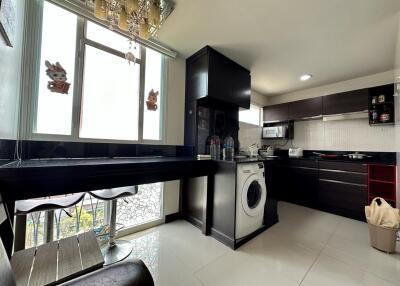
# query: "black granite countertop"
33, 178
388, 158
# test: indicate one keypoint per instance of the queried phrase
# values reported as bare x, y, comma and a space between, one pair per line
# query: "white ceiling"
279, 40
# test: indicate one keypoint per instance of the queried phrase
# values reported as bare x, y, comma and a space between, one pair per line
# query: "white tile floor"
307, 247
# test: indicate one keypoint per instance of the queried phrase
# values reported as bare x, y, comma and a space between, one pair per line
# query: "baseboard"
172, 217
221, 237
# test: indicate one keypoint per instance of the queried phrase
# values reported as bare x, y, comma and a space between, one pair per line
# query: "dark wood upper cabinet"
307, 108
211, 74
345, 102
278, 112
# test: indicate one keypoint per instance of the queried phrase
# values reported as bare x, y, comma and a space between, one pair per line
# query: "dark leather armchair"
129, 273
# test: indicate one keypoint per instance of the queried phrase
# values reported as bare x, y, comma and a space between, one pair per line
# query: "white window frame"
30, 81
260, 121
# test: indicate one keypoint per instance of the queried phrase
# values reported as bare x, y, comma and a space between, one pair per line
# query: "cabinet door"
220, 77
342, 198
190, 123
241, 87
279, 112
302, 185
345, 102
306, 108
295, 184
197, 77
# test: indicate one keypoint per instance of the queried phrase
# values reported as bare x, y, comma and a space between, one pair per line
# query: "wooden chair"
58, 261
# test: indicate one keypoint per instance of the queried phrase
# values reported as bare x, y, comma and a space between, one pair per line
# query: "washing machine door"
254, 195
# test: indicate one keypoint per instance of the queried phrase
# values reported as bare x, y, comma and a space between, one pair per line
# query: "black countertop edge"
388, 158
62, 149
93, 162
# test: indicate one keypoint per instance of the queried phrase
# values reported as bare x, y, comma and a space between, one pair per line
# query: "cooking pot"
357, 156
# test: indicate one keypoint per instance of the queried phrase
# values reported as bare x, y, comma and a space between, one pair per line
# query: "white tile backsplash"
344, 135
249, 134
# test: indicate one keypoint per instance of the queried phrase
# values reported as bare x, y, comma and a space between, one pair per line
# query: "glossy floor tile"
307, 247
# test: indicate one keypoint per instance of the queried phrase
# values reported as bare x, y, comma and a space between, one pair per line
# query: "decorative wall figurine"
152, 100
59, 76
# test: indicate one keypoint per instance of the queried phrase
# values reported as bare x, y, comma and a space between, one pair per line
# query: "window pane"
145, 206
110, 39
151, 118
54, 111
110, 100
251, 116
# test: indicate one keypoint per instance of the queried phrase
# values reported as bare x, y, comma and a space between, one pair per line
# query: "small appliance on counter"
295, 152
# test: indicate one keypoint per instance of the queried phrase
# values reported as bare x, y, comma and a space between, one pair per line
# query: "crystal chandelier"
139, 18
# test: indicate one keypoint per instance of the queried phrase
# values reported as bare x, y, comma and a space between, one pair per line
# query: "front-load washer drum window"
253, 196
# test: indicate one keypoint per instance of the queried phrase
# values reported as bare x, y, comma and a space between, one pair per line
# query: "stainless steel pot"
358, 156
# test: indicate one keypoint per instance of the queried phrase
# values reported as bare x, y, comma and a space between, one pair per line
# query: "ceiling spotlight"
305, 77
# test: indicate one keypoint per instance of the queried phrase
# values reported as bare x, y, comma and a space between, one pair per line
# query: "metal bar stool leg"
115, 250
49, 223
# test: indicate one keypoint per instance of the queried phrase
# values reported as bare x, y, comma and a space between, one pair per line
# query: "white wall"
351, 135
10, 66
175, 120
250, 134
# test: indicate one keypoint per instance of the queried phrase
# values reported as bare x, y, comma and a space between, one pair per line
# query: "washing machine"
251, 194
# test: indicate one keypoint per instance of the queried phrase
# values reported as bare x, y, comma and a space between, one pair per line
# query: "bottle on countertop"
229, 148
215, 148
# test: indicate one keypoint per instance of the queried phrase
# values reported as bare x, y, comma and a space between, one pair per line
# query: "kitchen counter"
387, 158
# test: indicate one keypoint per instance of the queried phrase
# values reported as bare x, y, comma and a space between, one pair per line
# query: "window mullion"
141, 91
78, 80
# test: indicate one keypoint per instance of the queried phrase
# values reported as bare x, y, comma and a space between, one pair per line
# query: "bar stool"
115, 250
25, 207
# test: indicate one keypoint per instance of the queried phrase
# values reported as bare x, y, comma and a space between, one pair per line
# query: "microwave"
278, 131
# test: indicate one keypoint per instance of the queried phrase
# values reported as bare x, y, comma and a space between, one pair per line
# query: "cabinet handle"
341, 171
341, 182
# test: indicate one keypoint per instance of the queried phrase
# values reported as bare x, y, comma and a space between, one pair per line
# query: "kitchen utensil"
327, 156
268, 151
253, 150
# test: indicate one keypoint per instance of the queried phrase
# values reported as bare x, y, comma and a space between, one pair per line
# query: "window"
107, 96
110, 97
54, 110
252, 115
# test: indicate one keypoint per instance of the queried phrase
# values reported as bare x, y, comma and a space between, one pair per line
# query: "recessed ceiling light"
305, 77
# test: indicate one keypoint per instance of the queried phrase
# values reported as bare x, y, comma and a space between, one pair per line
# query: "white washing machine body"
251, 194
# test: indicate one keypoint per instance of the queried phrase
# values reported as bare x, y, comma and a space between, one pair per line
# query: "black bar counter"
35, 178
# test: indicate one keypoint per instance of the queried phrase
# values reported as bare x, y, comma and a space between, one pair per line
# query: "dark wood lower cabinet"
343, 198
193, 196
296, 183
337, 187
